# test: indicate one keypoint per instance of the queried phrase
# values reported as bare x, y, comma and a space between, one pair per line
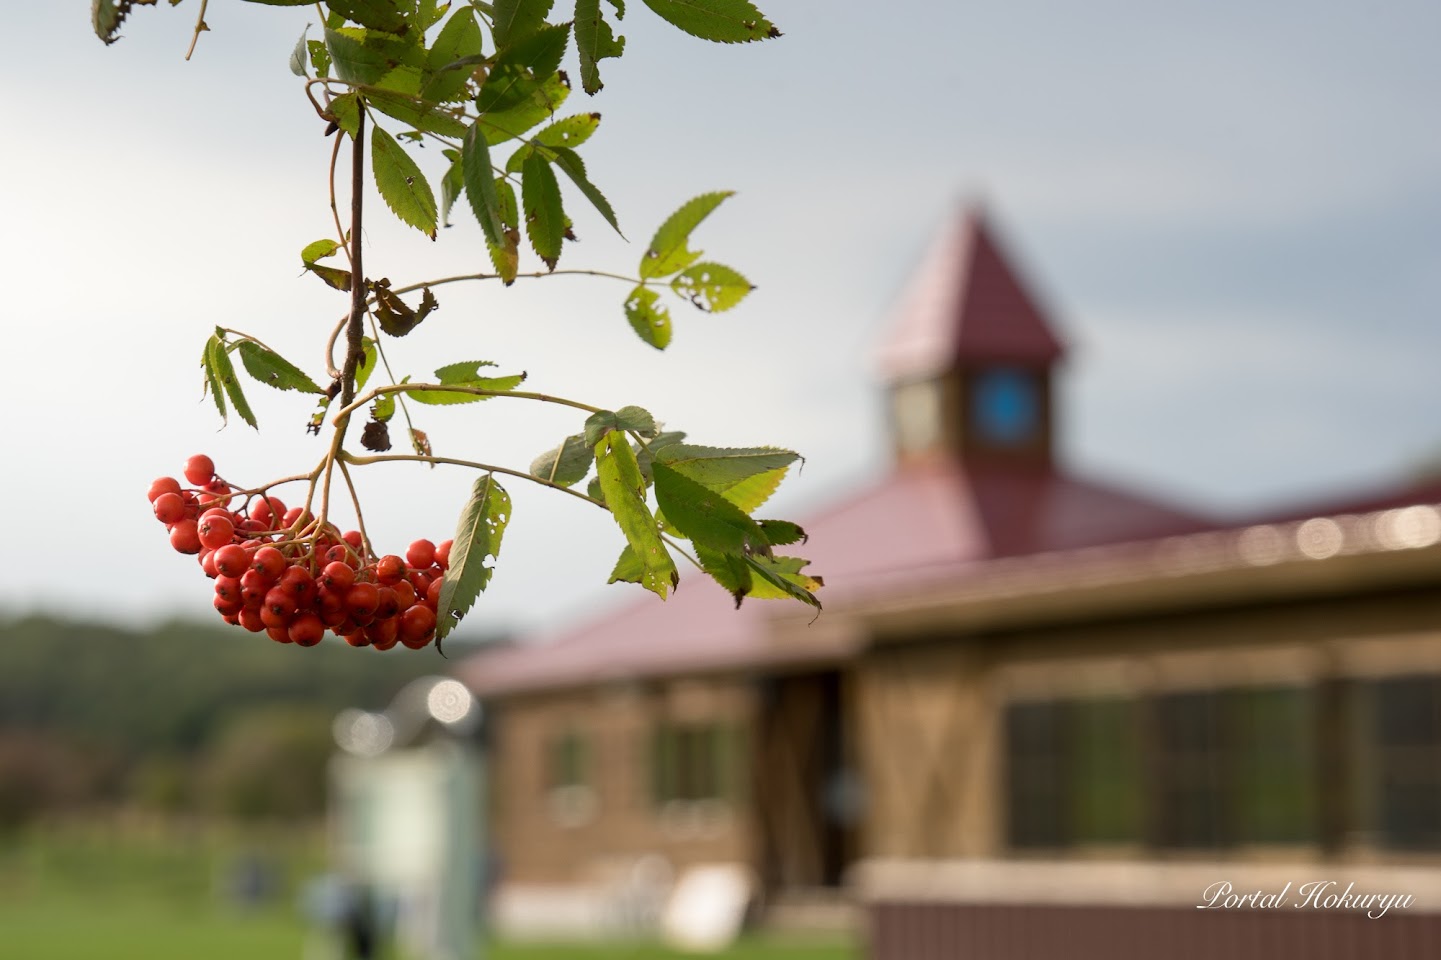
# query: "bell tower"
969, 360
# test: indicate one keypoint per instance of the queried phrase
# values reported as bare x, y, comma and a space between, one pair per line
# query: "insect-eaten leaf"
566, 464
649, 317
333, 276
668, 250
108, 15
320, 60
395, 316
401, 184
383, 408
477, 539
345, 111
318, 250
623, 487
723, 21
466, 375
420, 441
712, 287
273, 370
375, 436
594, 41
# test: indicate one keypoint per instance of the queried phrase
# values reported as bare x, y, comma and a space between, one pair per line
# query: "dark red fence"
949, 931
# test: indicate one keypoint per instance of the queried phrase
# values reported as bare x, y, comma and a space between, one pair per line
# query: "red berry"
267, 510
216, 530
357, 638
417, 626
306, 630
199, 470
420, 554
389, 569
280, 602
270, 562
296, 515
353, 538
184, 538
226, 607
229, 589
388, 605
442, 555
163, 485
253, 588
432, 594
169, 507
340, 553
250, 619
207, 563
331, 608
280, 634
337, 576
231, 560
383, 634
361, 600
298, 582
404, 595
217, 493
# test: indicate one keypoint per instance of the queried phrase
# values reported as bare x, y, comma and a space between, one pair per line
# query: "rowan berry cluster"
281, 572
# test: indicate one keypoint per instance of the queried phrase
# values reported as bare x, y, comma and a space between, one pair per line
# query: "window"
1189, 743
568, 763
1407, 744
1006, 410
570, 794
692, 762
1276, 767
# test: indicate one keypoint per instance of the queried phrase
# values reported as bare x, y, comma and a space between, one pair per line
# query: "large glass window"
693, 761
1407, 757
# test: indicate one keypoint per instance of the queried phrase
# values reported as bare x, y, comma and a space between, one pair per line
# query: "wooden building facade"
1035, 700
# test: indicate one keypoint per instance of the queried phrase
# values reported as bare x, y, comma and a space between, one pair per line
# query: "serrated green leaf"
366, 366
515, 20
645, 454
298, 55
273, 370
723, 21
212, 379
429, 12
225, 373
401, 184
458, 39
628, 568
542, 102
318, 250
750, 493
378, 14
595, 42
728, 570
452, 185
781, 578
668, 250
430, 118
466, 374
383, 408
566, 464
333, 276
506, 257
720, 468
353, 60
594, 491
544, 218
480, 185
779, 533
520, 68
570, 131
634, 419
706, 517
346, 111
572, 166
712, 287
477, 539
624, 491
649, 317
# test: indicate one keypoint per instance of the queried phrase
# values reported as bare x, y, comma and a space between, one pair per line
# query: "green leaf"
521, 67
594, 491
571, 165
383, 408
346, 111
506, 257
780, 578
649, 317
628, 568
452, 185
635, 419
544, 218
624, 492
319, 57
712, 287
333, 276
781, 532
480, 185
477, 539
225, 373
379, 14
466, 374
354, 61
724, 21
540, 103
515, 20
705, 517
595, 42
366, 366
429, 12
212, 379
458, 39
298, 55
569, 132
668, 251
401, 184
318, 250
721, 468
431, 119
566, 464
273, 370
644, 454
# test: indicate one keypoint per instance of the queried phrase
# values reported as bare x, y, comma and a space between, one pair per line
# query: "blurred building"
1037, 705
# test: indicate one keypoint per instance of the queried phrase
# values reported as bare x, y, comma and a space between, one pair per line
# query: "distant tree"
270, 764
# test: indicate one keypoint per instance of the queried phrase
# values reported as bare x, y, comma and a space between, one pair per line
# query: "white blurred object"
707, 907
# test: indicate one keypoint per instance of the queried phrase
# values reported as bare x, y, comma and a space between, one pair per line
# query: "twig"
200, 27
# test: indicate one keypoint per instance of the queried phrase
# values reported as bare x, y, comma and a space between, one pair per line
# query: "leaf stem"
445, 388
334, 209
474, 465
530, 276
200, 27
359, 516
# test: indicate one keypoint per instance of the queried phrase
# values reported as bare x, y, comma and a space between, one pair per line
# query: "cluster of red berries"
275, 572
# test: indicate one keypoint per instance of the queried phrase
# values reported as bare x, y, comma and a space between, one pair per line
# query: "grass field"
116, 895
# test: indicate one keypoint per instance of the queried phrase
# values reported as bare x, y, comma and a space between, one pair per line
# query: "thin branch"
200, 27
474, 465
528, 276
444, 388
334, 209
359, 516
355, 328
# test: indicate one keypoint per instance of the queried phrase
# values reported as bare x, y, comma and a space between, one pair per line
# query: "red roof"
965, 302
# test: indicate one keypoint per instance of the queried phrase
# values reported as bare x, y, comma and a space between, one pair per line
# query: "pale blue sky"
1234, 212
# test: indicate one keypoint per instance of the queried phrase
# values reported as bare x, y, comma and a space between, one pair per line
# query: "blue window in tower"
1005, 409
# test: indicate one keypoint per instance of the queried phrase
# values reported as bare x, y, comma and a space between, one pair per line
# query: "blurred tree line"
179, 719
